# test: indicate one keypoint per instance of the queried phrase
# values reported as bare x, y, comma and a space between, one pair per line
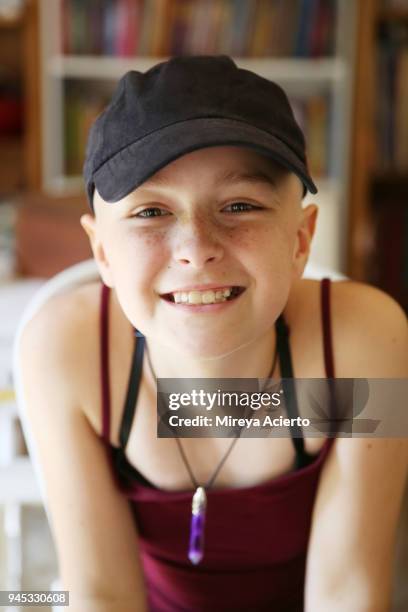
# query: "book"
72, 112
159, 31
200, 23
303, 26
95, 28
263, 24
313, 117
180, 19
145, 28
108, 25
225, 34
79, 42
287, 18
128, 23
316, 134
244, 16
66, 34
216, 31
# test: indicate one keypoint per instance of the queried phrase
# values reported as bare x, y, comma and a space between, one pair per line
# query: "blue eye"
243, 206
153, 211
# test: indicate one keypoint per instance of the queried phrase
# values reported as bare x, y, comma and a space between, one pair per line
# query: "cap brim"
133, 165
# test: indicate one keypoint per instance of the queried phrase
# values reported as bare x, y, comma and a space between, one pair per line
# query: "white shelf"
287, 70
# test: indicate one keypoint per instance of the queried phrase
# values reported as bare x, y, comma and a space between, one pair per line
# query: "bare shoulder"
370, 331
63, 316
61, 336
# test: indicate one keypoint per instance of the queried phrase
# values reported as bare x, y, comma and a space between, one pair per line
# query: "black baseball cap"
181, 105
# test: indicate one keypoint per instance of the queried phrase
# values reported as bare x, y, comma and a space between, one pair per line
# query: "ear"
90, 226
305, 232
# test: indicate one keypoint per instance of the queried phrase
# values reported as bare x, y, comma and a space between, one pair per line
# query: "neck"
253, 360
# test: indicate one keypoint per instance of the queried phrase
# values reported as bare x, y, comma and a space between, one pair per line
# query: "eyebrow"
226, 177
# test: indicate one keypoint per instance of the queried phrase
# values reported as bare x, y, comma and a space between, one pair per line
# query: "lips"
235, 291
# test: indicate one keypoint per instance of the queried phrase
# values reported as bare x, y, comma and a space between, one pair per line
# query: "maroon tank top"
256, 537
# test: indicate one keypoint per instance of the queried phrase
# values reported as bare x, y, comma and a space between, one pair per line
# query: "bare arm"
94, 533
351, 548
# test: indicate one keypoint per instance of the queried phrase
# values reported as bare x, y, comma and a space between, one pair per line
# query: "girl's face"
220, 216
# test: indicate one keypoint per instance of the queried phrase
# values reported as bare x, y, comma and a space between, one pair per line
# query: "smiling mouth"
200, 298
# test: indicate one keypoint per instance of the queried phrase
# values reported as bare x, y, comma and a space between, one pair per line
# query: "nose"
197, 242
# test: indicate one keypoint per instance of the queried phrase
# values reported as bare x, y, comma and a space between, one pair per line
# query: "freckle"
369, 445
152, 240
247, 238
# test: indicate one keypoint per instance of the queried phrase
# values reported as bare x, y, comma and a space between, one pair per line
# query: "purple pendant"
198, 507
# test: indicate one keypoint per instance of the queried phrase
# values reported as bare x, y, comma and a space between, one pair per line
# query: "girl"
195, 175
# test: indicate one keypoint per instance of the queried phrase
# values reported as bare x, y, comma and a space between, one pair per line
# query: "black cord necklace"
199, 501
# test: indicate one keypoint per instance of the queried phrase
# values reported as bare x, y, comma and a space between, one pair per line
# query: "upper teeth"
202, 297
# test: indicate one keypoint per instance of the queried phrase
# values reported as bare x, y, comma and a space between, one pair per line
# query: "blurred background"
344, 65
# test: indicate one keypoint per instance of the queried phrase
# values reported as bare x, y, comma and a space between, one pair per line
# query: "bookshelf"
320, 85
378, 221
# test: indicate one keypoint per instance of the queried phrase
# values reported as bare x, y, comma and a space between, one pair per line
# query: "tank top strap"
104, 361
326, 327
289, 388
283, 332
134, 378
132, 390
